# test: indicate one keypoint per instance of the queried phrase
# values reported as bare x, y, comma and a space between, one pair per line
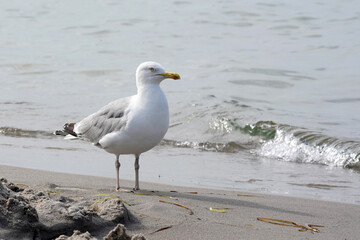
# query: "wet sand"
172, 212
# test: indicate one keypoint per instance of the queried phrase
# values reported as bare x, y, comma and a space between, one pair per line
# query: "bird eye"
152, 69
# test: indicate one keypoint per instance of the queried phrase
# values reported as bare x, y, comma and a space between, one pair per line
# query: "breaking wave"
281, 142
305, 146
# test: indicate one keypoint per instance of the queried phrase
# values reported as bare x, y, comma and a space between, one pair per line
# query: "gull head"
153, 73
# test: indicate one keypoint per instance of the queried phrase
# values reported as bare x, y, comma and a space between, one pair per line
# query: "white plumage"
131, 125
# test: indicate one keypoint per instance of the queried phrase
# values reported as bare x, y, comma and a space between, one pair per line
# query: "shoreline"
216, 214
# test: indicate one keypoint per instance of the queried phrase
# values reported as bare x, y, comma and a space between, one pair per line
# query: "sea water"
268, 101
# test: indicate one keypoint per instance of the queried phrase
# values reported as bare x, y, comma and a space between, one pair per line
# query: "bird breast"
147, 123
150, 117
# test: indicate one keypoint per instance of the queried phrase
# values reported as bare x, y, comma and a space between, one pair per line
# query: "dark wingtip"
68, 129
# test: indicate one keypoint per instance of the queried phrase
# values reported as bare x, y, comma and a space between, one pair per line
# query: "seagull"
131, 125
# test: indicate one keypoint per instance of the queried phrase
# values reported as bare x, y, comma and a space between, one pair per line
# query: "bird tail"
68, 132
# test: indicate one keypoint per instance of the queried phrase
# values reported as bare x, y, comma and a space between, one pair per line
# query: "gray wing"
110, 118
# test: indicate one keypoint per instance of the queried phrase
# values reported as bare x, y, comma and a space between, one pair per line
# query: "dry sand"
150, 209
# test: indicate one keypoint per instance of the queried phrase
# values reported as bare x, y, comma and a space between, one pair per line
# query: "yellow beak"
172, 75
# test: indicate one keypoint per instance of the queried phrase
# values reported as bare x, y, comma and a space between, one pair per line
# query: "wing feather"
110, 118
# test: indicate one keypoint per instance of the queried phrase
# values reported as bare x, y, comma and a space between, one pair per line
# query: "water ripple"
22, 133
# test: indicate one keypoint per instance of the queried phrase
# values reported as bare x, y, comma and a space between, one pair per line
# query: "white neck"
145, 89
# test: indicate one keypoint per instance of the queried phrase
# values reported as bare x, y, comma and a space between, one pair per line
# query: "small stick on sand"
191, 212
161, 229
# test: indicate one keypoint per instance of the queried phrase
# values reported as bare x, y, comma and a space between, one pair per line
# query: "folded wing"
110, 118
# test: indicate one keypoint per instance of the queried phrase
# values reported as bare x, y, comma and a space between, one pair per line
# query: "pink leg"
117, 166
137, 166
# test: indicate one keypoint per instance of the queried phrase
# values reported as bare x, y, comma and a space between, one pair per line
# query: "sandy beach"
169, 212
